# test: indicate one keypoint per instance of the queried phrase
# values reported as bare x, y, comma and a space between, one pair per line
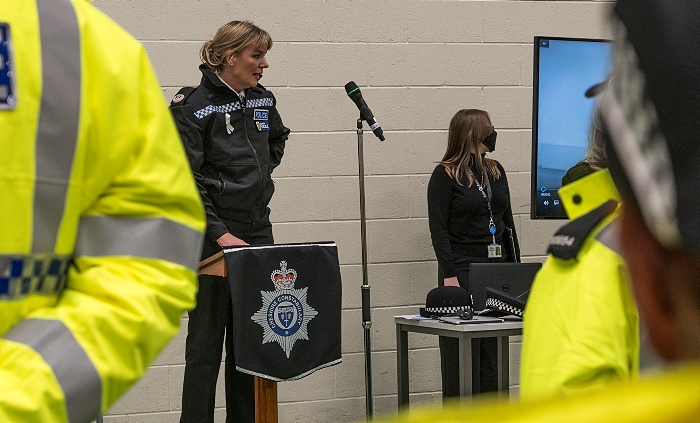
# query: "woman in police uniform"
234, 138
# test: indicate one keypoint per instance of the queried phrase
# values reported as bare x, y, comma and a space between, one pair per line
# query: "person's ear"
645, 261
230, 58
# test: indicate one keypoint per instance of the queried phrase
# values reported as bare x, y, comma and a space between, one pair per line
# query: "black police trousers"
210, 327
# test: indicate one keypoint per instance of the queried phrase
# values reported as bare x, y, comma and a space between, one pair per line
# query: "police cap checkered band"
651, 113
446, 310
497, 300
496, 304
446, 301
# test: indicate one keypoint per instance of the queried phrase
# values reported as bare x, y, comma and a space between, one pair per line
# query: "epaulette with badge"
569, 239
182, 95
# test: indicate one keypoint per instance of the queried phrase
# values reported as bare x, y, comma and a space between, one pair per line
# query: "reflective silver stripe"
57, 131
35, 274
73, 369
610, 236
156, 238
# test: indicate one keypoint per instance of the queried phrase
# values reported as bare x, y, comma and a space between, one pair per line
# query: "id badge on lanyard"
494, 250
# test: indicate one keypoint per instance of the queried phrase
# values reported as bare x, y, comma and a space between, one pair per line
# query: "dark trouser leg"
240, 395
449, 366
489, 365
207, 323
484, 353
449, 347
240, 387
484, 360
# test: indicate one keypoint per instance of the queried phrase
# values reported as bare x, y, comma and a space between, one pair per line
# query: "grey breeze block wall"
417, 63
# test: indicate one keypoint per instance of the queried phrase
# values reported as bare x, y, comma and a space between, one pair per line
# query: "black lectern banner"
286, 308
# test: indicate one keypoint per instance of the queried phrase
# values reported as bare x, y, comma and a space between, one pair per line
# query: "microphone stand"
366, 317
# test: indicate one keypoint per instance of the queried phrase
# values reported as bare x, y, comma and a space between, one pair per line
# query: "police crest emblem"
284, 314
277, 333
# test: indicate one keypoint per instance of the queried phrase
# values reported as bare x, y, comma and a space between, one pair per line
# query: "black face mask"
490, 141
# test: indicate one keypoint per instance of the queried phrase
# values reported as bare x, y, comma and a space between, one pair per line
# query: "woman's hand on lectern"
451, 281
227, 240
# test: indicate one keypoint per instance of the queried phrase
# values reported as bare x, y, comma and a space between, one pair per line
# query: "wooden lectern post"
265, 389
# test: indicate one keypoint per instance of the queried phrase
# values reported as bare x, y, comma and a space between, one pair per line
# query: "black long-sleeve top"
459, 217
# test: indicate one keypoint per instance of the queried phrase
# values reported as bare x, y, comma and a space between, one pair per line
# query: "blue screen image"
565, 69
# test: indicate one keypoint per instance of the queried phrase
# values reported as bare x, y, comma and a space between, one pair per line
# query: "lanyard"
492, 225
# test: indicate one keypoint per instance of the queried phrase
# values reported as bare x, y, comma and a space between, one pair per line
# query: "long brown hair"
233, 37
468, 128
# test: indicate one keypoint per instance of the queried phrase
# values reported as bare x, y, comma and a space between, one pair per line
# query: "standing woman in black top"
234, 138
468, 212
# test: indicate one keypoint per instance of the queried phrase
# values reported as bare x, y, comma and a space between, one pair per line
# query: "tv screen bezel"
535, 115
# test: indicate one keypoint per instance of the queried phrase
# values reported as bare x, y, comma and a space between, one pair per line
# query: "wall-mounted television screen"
563, 70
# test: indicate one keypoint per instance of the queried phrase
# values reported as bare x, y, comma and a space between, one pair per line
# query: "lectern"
265, 389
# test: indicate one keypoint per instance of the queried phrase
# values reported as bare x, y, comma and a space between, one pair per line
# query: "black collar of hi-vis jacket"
569, 239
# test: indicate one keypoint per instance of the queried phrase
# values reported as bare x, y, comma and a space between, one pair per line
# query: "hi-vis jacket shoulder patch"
8, 94
569, 239
284, 314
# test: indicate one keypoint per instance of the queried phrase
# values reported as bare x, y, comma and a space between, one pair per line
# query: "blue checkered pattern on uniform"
260, 102
21, 276
230, 107
224, 108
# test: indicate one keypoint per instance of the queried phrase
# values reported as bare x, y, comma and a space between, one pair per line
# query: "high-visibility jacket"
669, 397
581, 325
100, 221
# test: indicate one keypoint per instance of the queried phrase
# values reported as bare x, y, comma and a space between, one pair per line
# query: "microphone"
353, 91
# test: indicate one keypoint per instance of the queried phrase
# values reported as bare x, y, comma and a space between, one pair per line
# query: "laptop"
513, 279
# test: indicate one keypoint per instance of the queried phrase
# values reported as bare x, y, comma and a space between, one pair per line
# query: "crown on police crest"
284, 278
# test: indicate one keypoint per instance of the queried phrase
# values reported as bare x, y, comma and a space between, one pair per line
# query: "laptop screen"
513, 279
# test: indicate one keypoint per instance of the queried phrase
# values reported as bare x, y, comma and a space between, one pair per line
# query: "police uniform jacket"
100, 220
581, 326
233, 147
